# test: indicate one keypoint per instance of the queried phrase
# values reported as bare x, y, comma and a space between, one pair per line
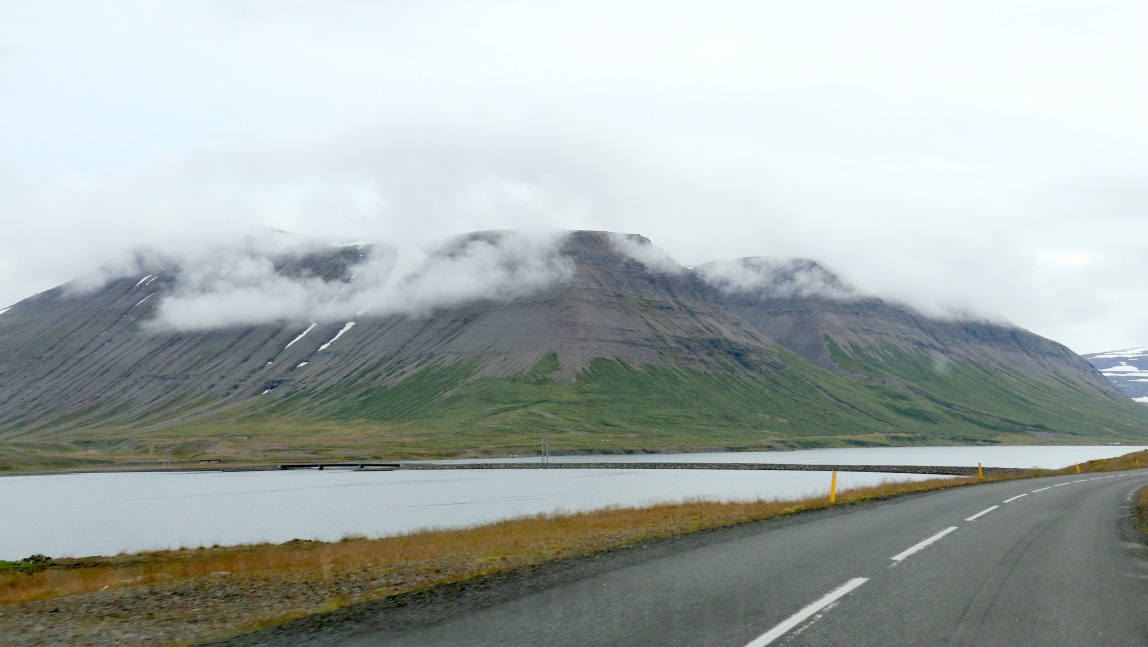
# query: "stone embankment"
944, 470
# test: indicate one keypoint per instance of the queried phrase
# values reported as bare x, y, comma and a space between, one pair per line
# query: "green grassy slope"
613, 406
445, 409
993, 388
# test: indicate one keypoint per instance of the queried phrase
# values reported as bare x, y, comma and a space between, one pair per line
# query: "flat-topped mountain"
275, 350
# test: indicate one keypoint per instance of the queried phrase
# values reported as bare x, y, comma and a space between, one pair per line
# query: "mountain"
1127, 370
989, 370
278, 352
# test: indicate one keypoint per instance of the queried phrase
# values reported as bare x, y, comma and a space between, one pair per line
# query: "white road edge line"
1043, 489
1080, 481
1060, 484
1019, 496
900, 556
799, 617
982, 513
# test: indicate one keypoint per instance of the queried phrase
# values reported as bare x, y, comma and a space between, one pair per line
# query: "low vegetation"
424, 558
302, 577
452, 410
1140, 512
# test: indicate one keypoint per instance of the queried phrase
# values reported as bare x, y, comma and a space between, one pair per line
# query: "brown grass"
1140, 512
422, 559
428, 557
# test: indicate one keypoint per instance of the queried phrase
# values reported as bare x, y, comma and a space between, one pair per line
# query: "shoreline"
301, 588
263, 466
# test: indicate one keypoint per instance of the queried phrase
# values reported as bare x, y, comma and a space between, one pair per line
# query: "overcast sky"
985, 156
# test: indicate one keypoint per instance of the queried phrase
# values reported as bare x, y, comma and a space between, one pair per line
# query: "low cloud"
777, 277
498, 266
640, 249
264, 280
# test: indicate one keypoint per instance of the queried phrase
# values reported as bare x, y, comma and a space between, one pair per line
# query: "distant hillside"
597, 337
1126, 369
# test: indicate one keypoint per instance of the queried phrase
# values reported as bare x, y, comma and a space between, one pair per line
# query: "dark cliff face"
808, 324
71, 360
87, 359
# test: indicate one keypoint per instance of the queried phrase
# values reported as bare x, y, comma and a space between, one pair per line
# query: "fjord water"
97, 514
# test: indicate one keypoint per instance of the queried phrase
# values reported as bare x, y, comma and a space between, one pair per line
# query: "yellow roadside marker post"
980, 472
833, 488
1078, 468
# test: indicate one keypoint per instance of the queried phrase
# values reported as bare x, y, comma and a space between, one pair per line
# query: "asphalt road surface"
1051, 561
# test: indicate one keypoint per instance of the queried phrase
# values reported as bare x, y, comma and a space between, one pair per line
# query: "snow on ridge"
350, 324
1133, 373
1143, 399
302, 364
149, 276
5, 310
144, 299
301, 335
1127, 353
1122, 369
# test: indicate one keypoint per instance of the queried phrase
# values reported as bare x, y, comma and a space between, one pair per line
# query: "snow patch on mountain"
1128, 353
301, 335
348, 326
1127, 372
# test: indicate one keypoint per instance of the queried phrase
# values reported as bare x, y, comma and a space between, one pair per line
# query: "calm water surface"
96, 514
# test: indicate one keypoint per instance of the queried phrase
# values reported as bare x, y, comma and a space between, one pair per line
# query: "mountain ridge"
614, 346
1123, 368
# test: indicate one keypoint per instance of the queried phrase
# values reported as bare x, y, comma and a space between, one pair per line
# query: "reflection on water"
91, 514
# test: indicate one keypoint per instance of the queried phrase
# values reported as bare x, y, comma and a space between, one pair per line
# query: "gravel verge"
418, 608
201, 611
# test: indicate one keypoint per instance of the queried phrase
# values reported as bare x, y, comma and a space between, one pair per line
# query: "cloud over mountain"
782, 277
272, 277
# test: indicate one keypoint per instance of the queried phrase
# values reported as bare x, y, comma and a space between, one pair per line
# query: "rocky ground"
297, 609
182, 612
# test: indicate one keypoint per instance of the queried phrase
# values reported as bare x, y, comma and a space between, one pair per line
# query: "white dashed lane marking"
982, 513
806, 613
900, 556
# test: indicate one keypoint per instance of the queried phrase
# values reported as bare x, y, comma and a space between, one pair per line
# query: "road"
1049, 561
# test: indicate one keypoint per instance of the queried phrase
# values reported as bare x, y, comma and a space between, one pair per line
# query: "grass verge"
1140, 511
420, 559
334, 574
